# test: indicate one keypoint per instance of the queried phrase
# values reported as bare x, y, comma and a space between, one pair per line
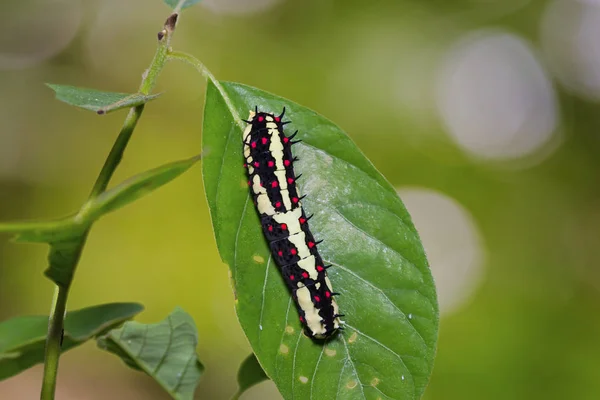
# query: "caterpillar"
270, 169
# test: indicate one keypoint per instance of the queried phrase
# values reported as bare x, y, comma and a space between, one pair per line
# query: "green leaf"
166, 351
249, 374
379, 266
186, 3
98, 101
134, 188
62, 260
22, 339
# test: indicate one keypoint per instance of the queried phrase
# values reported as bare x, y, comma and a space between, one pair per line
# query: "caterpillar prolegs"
272, 181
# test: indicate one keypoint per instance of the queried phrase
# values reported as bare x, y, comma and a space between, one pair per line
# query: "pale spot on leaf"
352, 384
283, 349
289, 329
258, 259
353, 337
330, 352
303, 379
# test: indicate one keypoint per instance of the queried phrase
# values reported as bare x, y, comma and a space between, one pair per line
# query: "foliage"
388, 346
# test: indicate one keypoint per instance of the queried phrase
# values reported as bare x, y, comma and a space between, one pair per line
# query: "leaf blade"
149, 348
22, 339
369, 236
249, 374
186, 4
135, 188
98, 101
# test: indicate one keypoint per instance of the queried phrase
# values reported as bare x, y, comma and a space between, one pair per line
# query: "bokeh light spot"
495, 98
33, 31
569, 32
452, 243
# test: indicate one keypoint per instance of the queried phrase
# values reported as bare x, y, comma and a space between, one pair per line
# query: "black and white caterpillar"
272, 181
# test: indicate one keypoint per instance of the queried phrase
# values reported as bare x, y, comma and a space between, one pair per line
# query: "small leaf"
134, 188
186, 3
166, 351
22, 339
99, 101
62, 260
249, 374
379, 267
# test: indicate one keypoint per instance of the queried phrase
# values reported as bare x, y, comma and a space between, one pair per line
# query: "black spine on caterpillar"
272, 181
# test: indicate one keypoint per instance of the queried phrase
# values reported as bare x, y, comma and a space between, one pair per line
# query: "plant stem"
59, 303
116, 153
53, 342
197, 64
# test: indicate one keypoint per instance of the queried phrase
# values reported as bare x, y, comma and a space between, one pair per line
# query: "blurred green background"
483, 114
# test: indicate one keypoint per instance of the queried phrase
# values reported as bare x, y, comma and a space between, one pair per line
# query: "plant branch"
59, 303
54, 341
148, 83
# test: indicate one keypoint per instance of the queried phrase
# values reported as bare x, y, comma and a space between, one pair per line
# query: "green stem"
116, 153
53, 342
59, 304
201, 68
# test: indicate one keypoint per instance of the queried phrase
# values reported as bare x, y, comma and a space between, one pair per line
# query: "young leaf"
387, 292
22, 339
98, 101
134, 188
62, 259
186, 3
166, 351
249, 374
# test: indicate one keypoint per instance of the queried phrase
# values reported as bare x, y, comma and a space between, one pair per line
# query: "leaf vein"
382, 294
408, 371
262, 306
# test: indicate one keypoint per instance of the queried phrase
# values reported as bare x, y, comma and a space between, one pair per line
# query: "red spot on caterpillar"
264, 140
293, 252
249, 183
292, 277
286, 163
280, 253
317, 299
320, 268
301, 319
305, 275
311, 245
277, 119
253, 145
256, 164
284, 227
271, 164
245, 165
261, 119
301, 220
270, 228
278, 204
295, 199
274, 184
286, 139
328, 294
290, 181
